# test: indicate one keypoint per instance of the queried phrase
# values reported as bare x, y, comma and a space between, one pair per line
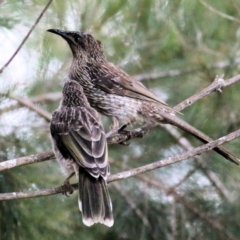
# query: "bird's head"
83, 45
73, 94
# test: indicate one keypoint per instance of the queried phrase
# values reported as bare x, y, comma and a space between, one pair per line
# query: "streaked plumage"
79, 143
114, 93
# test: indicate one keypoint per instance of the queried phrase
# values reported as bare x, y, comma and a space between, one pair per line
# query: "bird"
112, 92
79, 144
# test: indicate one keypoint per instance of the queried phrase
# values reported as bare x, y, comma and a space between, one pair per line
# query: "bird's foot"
126, 133
67, 186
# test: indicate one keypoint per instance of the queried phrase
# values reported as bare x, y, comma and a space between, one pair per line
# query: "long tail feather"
94, 200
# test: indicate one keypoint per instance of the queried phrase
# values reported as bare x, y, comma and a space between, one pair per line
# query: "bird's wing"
113, 80
79, 133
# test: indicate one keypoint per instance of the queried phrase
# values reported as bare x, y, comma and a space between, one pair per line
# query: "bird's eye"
77, 38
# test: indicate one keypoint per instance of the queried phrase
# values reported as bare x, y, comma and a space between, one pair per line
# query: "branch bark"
35, 158
128, 173
30, 105
27, 36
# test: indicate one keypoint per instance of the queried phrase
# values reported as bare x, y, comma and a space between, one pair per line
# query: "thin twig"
162, 185
224, 15
27, 36
178, 72
164, 74
44, 98
217, 85
213, 178
184, 179
29, 104
132, 204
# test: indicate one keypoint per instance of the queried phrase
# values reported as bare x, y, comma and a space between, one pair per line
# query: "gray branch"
128, 173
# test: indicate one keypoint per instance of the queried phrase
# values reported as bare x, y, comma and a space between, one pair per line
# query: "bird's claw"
126, 133
68, 189
121, 129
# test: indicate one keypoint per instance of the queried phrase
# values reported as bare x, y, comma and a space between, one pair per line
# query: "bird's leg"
121, 129
114, 127
68, 185
136, 133
125, 132
115, 124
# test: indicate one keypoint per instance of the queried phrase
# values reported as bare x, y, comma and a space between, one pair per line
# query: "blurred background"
176, 48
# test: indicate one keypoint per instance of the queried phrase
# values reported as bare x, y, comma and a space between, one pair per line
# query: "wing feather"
123, 85
83, 137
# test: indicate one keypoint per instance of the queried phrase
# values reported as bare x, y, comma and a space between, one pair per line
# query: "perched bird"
114, 93
79, 144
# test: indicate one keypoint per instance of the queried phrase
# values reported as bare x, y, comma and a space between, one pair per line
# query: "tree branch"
132, 204
128, 173
174, 159
30, 105
224, 15
27, 36
17, 162
217, 85
49, 97
178, 72
169, 191
213, 178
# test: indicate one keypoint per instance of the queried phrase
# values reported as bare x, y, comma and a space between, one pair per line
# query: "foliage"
140, 36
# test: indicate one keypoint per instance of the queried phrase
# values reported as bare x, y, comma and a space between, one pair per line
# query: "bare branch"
131, 172
48, 97
174, 159
34, 158
27, 36
185, 178
30, 105
224, 15
213, 178
16, 162
38, 193
164, 74
162, 185
217, 85
121, 137
232, 80
132, 204
178, 72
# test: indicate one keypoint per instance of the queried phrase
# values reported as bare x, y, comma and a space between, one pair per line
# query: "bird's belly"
123, 108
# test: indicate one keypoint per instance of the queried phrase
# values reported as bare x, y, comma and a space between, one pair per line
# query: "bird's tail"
174, 120
94, 200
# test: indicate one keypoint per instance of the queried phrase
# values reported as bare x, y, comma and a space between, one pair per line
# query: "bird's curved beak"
62, 33
58, 32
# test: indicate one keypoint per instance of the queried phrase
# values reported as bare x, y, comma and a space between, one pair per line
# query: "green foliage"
140, 36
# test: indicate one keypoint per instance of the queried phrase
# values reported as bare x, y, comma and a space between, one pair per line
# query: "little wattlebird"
79, 144
114, 93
